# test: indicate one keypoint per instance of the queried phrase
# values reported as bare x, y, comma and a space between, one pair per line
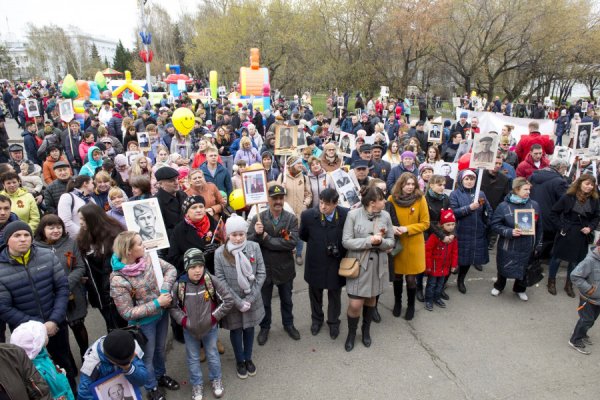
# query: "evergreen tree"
178, 46
106, 64
95, 56
7, 65
123, 58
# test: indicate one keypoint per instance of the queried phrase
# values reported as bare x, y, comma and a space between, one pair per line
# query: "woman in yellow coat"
413, 216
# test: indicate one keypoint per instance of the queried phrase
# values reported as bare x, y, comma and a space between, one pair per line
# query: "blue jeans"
192, 350
299, 247
285, 298
553, 268
154, 350
434, 287
242, 341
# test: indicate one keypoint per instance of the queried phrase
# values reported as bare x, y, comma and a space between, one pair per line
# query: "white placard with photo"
435, 133
562, 153
447, 170
143, 141
593, 151
581, 140
485, 147
286, 140
345, 187
115, 386
254, 185
347, 144
456, 102
65, 109
32, 108
145, 218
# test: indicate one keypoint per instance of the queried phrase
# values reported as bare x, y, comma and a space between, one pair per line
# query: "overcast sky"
111, 19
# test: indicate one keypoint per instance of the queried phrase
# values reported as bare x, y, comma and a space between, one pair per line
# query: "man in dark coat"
276, 231
53, 191
170, 198
548, 185
496, 186
321, 228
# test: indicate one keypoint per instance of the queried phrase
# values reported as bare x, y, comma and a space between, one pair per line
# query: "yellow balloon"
236, 199
254, 167
473, 93
183, 120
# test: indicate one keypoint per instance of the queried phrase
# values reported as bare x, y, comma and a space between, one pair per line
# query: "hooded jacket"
90, 167
222, 178
194, 308
24, 205
586, 277
16, 367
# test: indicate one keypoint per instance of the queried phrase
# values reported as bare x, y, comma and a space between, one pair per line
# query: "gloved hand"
245, 306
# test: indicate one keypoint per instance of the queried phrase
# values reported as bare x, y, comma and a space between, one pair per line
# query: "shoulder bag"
350, 266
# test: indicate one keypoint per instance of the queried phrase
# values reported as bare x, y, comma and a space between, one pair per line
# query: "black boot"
366, 325
376, 315
397, 298
410, 310
462, 274
352, 325
420, 296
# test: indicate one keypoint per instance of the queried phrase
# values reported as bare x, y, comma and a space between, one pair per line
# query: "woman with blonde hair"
116, 198
393, 155
213, 200
125, 124
200, 156
141, 166
223, 142
247, 152
139, 300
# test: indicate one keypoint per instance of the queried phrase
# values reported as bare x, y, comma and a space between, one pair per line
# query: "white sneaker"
197, 392
495, 292
217, 386
523, 296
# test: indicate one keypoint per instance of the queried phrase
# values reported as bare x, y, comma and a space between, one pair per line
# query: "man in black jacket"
53, 191
321, 228
496, 186
276, 231
170, 198
548, 185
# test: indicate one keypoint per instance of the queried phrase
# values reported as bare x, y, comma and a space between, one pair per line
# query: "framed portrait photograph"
344, 186
593, 151
131, 156
583, 132
65, 109
254, 185
32, 108
115, 387
286, 138
435, 133
347, 144
456, 102
562, 153
301, 140
145, 218
340, 102
485, 147
525, 221
143, 141
448, 171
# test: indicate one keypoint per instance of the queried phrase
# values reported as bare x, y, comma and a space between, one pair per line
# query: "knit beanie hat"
193, 257
425, 166
408, 154
31, 337
467, 172
119, 346
235, 223
190, 201
447, 216
13, 227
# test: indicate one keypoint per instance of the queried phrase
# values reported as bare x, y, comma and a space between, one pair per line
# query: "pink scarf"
134, 269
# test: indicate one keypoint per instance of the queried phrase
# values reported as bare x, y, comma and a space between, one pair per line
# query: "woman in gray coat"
368, 235
240, 267
51, 234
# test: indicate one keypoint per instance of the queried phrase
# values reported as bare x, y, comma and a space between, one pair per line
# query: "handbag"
350, 266
533, 272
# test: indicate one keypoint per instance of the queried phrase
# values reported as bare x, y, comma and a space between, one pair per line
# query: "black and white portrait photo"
144, 217
65, 109
562, 153
143, 141
447, 170
594, 146
115, 387
347, 144
435, 134
32, 108
582, 136
485, 147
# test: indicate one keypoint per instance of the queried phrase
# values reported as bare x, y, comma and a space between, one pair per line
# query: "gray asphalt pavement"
480, 347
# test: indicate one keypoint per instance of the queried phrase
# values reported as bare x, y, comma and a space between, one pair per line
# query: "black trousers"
334, 305
518, 287
588, 313
2, 332
59, 350
285, 300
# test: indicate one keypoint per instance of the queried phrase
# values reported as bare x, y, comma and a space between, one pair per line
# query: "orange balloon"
84, 90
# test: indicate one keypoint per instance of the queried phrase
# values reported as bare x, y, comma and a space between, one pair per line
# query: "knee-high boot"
352, 325
366, 325
462, 274
376, 315
410, 310
397, 298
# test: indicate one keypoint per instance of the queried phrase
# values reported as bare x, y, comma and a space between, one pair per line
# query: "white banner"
489, 121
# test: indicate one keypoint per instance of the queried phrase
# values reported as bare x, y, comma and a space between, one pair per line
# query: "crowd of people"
66, 243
